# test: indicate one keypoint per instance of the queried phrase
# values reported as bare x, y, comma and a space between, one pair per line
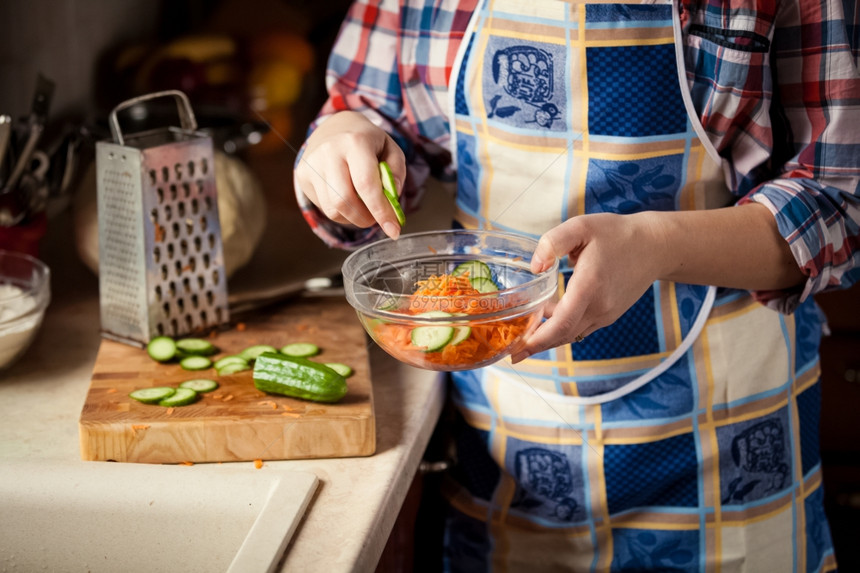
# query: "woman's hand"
339, 171
616, 259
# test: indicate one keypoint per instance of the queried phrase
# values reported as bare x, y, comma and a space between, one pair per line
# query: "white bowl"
25, 292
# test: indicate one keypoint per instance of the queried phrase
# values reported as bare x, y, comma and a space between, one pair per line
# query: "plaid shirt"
774, 84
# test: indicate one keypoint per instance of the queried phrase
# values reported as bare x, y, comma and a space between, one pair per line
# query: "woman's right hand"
339, 171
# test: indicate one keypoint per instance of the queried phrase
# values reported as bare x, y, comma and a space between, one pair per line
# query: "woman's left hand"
615, 258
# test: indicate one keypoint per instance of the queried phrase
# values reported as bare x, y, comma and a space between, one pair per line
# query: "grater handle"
186, 115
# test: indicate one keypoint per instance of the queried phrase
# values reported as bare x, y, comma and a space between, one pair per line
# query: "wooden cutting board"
236, 422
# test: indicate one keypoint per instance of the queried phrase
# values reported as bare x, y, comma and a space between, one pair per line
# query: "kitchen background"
254, 72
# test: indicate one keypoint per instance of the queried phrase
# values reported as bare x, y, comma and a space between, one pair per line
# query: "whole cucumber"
298, 378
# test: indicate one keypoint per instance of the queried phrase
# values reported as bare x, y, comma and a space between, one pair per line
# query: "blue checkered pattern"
632, 97
665, 474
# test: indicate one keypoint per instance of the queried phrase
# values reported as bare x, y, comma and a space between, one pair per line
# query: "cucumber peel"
389, 189
298, 378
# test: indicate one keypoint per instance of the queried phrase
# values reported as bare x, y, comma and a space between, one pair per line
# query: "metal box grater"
161, 263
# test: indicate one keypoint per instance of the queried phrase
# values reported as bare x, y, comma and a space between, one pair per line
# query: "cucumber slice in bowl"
152, 395
475, 269
432, 338
483, 285
461, 333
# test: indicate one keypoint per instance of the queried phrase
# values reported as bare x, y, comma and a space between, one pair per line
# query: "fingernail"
537, 264
519, 356
391, 229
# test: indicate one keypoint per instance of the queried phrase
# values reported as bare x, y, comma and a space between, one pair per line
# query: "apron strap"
633, 385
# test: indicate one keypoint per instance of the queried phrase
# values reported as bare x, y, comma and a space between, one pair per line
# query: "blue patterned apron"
562, 109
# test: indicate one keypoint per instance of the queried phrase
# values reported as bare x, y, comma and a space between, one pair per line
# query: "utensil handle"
186, 115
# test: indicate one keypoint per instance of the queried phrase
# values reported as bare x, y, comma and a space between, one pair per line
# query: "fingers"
560, 241
368, 185
342, 179
567, 319
332, 190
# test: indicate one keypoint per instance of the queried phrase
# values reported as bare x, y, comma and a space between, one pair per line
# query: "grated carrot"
258, 463
187, 463
111, 391
450, 293
240, 327
139, 426
169, 411
227, 398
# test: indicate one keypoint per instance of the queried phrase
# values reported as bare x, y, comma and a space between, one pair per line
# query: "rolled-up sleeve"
362, 76
815, 200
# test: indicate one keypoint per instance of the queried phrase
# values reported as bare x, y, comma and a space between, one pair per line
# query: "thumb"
560, 241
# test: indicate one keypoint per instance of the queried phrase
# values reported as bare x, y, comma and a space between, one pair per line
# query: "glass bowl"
25, 291
448, 300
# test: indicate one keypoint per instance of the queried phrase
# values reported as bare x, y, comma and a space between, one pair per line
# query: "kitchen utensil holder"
161, 261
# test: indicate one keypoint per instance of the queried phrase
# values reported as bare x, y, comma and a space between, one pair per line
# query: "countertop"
347, 523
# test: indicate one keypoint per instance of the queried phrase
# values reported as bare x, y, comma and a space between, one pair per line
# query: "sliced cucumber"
196, 347
161, 348
340, 368
475, 269
431, 338
200, 385
232, 359
152, 395
300, 349
252, 352
195, 363
232, 368
389, 189
483, 285
461, 333
182, 397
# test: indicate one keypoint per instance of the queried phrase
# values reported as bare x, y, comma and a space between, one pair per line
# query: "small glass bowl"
25, 292
466, 329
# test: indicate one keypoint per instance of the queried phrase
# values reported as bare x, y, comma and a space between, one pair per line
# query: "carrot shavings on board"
186, 463
240, 327
258, 463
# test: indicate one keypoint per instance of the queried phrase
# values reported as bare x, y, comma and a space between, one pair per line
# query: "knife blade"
5, 135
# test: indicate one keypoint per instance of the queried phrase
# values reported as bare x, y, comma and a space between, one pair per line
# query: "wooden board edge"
224, 441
